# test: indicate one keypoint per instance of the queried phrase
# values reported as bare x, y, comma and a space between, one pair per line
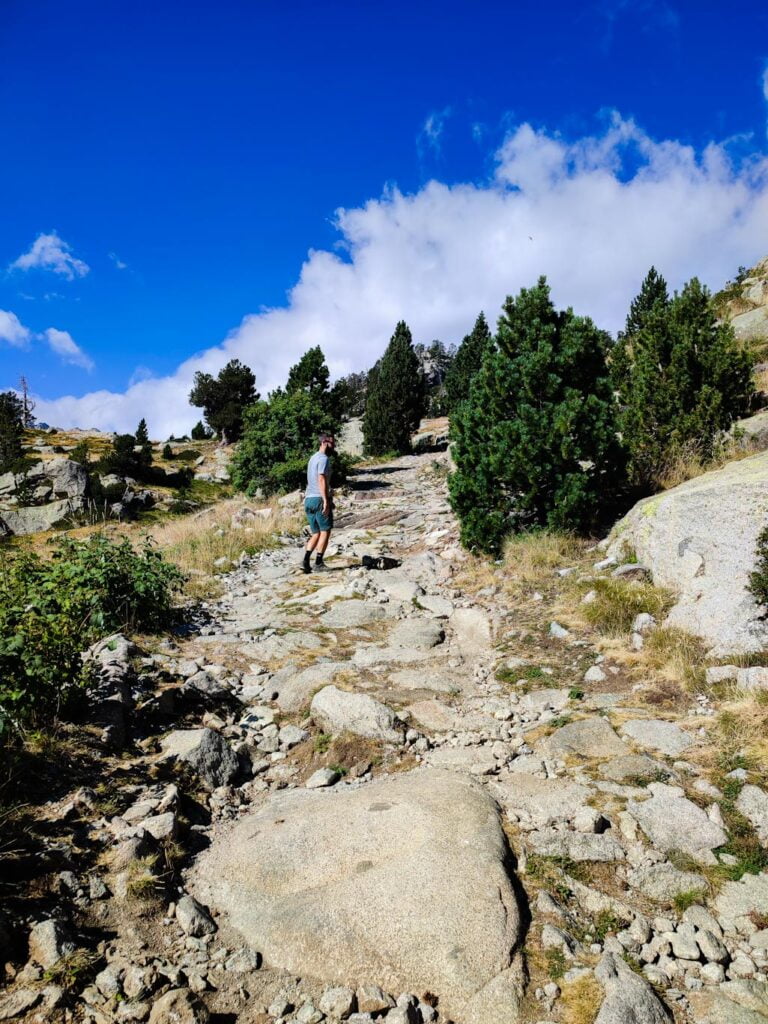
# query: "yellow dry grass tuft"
531, 558
580, 1000
687, 462
678, 656
616, 603
742, 724
196, 542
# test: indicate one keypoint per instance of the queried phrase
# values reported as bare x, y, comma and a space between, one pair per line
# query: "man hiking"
318, 503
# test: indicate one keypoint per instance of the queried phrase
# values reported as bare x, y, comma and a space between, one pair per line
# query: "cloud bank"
49, 252
592, 214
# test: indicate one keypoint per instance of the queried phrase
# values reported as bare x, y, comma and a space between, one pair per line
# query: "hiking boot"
306, 567
321, 567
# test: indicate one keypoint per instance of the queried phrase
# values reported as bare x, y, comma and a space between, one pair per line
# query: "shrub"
758, 579
536, 442
52, 610
280, 434
199, 432
680, 377
168, 453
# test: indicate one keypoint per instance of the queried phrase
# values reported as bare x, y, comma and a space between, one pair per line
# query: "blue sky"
184, 164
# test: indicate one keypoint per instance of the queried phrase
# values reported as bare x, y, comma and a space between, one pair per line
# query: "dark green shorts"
317, 521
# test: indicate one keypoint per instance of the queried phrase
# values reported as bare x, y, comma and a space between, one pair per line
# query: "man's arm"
322, 480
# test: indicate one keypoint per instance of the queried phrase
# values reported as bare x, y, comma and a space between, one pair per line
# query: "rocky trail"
395, 795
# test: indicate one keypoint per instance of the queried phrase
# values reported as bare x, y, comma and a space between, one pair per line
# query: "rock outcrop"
699, 540
403, 883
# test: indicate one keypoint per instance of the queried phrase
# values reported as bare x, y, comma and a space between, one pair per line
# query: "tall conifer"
395, 401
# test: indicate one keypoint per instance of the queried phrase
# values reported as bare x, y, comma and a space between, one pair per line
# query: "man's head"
327, 444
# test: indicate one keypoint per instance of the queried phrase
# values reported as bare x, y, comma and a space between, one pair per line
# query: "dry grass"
617, 602
580, 1000
742, 725
531, 558
195, 543
688, 463
678, 656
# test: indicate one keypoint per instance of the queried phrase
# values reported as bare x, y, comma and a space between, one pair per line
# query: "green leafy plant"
51, 610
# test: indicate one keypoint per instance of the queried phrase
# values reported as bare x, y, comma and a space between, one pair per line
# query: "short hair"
326, 437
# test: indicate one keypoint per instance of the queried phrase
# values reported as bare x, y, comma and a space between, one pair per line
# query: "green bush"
536, 442
680, 377
279, 435
758, 580
51, 610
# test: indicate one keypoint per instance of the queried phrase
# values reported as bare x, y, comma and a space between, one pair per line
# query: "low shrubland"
51, 609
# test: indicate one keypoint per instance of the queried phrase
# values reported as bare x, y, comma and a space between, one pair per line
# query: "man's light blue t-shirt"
318, 464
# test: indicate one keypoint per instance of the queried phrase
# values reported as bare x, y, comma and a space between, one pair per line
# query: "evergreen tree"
681, 381
225, 398
310, 374
347, 396
168, 453
535, 442
467, 362
142, 440
652, 301
11, 429
200, 432
280, 434
395, 400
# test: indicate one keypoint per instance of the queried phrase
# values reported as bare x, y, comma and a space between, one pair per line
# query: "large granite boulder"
26, 519
402, 883
699, 539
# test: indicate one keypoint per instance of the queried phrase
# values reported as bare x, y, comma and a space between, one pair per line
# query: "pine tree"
200, 432
225, 398
310, 374
11, 427
142, 441
467, 362
683, 382
535, 442
395, 401
652, 301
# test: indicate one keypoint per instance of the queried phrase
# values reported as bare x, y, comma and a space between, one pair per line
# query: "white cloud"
117, 261
13, 331
64, 345
49, 252
592, 215
431, 135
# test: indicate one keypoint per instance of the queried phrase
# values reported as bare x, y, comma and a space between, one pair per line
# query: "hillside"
744, 302
451, 790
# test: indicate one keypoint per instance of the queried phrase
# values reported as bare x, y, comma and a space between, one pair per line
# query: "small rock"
179, 1006
48, 942
558, 631
337, 1002
321, 778
193, 917
371, 999
13, 1004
